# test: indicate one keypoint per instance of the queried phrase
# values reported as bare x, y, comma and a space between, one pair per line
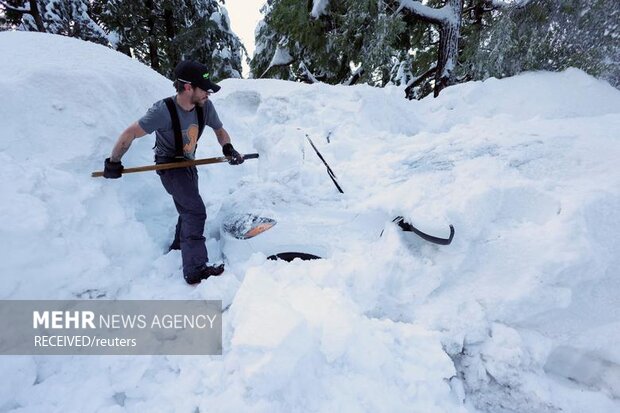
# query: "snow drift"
520, 313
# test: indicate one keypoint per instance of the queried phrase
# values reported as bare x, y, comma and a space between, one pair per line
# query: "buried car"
305, 231
310, 233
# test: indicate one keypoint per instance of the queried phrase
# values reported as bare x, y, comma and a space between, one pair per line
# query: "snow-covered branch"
497, 3
502, 4
426, 13
281, 57
305, 75
8, 7
318, 8
355, 76
416, 81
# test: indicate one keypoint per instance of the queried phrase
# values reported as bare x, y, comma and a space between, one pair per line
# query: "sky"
244, 15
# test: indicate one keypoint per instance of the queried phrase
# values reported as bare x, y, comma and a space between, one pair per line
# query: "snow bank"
518, 314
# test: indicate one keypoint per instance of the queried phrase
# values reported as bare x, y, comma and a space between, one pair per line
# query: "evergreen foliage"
345, 41
65, 17
497, 38
163, 32
552, 35
333, 45
157, 32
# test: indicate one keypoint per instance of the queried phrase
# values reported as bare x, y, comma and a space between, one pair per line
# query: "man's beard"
198, 101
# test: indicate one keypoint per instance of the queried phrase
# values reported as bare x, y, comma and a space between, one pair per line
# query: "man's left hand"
235, 157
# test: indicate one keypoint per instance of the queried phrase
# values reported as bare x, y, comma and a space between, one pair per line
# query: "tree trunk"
170, 34
478, 13
34, 11
448, 19
152, 38
449, 33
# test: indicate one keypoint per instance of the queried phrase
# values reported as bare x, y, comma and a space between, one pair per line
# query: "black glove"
235, 157
112, 169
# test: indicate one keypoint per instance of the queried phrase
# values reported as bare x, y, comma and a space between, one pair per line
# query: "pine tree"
368, 41
157, 32
126, 25
372, 36
209, 39
289, 31
478, 16
162, 32
271, 52
13, 11
65, 17
553, 35
334, 42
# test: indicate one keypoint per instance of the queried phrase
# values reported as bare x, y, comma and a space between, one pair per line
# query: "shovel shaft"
182, 164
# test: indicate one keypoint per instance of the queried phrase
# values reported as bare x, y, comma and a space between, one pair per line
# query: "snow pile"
520, 313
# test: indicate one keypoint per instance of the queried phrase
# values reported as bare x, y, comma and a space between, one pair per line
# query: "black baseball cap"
195, 73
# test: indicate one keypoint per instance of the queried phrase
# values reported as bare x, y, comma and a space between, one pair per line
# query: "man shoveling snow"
178, 122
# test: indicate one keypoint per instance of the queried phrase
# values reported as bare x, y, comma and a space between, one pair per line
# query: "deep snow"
520, 313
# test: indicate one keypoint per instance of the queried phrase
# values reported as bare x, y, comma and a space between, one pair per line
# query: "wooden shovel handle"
182, 164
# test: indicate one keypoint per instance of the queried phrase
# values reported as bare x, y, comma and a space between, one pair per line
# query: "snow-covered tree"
553, 35
65, 17
272, 53
208, 38
157, 32
126, 25
330, 41
13, 11
285, 40
162, 32
378, 51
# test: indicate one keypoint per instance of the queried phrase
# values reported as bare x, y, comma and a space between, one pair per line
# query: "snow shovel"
182, 164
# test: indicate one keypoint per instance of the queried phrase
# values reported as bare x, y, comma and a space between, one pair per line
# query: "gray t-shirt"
158, 120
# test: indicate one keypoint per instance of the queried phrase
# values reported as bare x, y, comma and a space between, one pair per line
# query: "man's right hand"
112, 170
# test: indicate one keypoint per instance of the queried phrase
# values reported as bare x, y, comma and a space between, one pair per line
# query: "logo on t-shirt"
190, 139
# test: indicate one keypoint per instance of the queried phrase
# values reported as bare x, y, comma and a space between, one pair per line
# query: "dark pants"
182, 184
